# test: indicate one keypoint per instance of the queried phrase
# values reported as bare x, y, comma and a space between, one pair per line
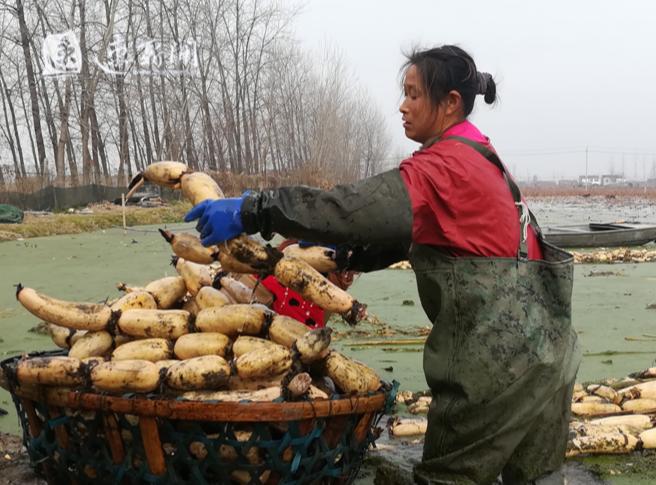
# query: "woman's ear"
453, 103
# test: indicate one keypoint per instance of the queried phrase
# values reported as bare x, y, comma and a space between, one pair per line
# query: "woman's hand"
218, 220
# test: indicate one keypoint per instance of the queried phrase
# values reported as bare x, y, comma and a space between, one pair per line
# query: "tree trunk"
209, 136
153, 106
144, 123
47, 109
207, 127
172, 150
64, 137
36, 117
87, 166
72, 165
10, 139
59, 151
47, 106
30, 133
95, 133
229, 123
88, 84
204, 70
192, 159
20, 168
151, 92
137, 152
124, 148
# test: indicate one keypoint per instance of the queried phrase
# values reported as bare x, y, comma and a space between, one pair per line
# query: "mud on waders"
500, 360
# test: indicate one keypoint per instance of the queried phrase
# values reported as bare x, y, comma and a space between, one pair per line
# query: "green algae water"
617, 330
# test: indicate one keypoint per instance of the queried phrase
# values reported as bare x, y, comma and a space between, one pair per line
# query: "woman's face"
419, 116
421, 119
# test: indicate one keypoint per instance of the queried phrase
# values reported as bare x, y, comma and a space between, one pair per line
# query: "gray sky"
570, 74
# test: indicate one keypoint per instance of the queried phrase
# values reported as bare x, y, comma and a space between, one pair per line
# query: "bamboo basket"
81, 436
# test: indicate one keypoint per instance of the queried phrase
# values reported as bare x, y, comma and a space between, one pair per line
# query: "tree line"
92, 92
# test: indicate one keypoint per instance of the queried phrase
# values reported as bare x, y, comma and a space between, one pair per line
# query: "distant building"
602, 180
612, 180
568, 183
589, 180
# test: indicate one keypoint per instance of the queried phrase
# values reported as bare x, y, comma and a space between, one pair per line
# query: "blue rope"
58, 421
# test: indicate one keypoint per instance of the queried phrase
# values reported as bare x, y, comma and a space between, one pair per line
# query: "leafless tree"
256, 103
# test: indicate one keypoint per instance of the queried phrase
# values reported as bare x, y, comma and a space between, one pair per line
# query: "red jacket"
461, 201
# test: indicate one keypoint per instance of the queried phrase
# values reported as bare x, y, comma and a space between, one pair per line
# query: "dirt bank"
102, 216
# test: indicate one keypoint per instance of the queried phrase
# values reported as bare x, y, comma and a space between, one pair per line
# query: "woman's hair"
449, 68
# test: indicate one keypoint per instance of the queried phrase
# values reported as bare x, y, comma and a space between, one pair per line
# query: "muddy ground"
14, 463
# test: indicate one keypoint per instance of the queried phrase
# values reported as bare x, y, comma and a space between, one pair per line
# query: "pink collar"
467, 130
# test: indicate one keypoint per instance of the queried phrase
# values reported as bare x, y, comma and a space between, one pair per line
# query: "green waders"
500, 361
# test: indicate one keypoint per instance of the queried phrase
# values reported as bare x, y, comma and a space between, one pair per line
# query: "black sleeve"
375, 257
374, 212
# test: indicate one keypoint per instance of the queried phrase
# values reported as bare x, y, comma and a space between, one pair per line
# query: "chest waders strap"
526, 217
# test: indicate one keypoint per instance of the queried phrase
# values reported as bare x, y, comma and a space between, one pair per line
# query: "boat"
609, 234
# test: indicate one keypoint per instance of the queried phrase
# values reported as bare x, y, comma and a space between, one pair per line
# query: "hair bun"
487, 87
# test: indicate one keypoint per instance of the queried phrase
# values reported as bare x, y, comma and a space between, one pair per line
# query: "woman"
501, 357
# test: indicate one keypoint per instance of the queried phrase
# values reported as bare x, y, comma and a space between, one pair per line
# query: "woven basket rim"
243, 411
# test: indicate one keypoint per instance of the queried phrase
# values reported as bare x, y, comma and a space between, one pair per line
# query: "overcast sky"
570, 74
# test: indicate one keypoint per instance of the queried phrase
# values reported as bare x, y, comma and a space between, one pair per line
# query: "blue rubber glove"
218, 220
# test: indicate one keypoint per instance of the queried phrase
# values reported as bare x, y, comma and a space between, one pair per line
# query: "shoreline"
102, 216
107, 215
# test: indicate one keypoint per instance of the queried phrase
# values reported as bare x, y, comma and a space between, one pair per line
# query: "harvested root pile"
219, 350
616, 416
204, 334
299, 269
620, 255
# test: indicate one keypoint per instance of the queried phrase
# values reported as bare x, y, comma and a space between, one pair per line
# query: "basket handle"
114, 439
152, 445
